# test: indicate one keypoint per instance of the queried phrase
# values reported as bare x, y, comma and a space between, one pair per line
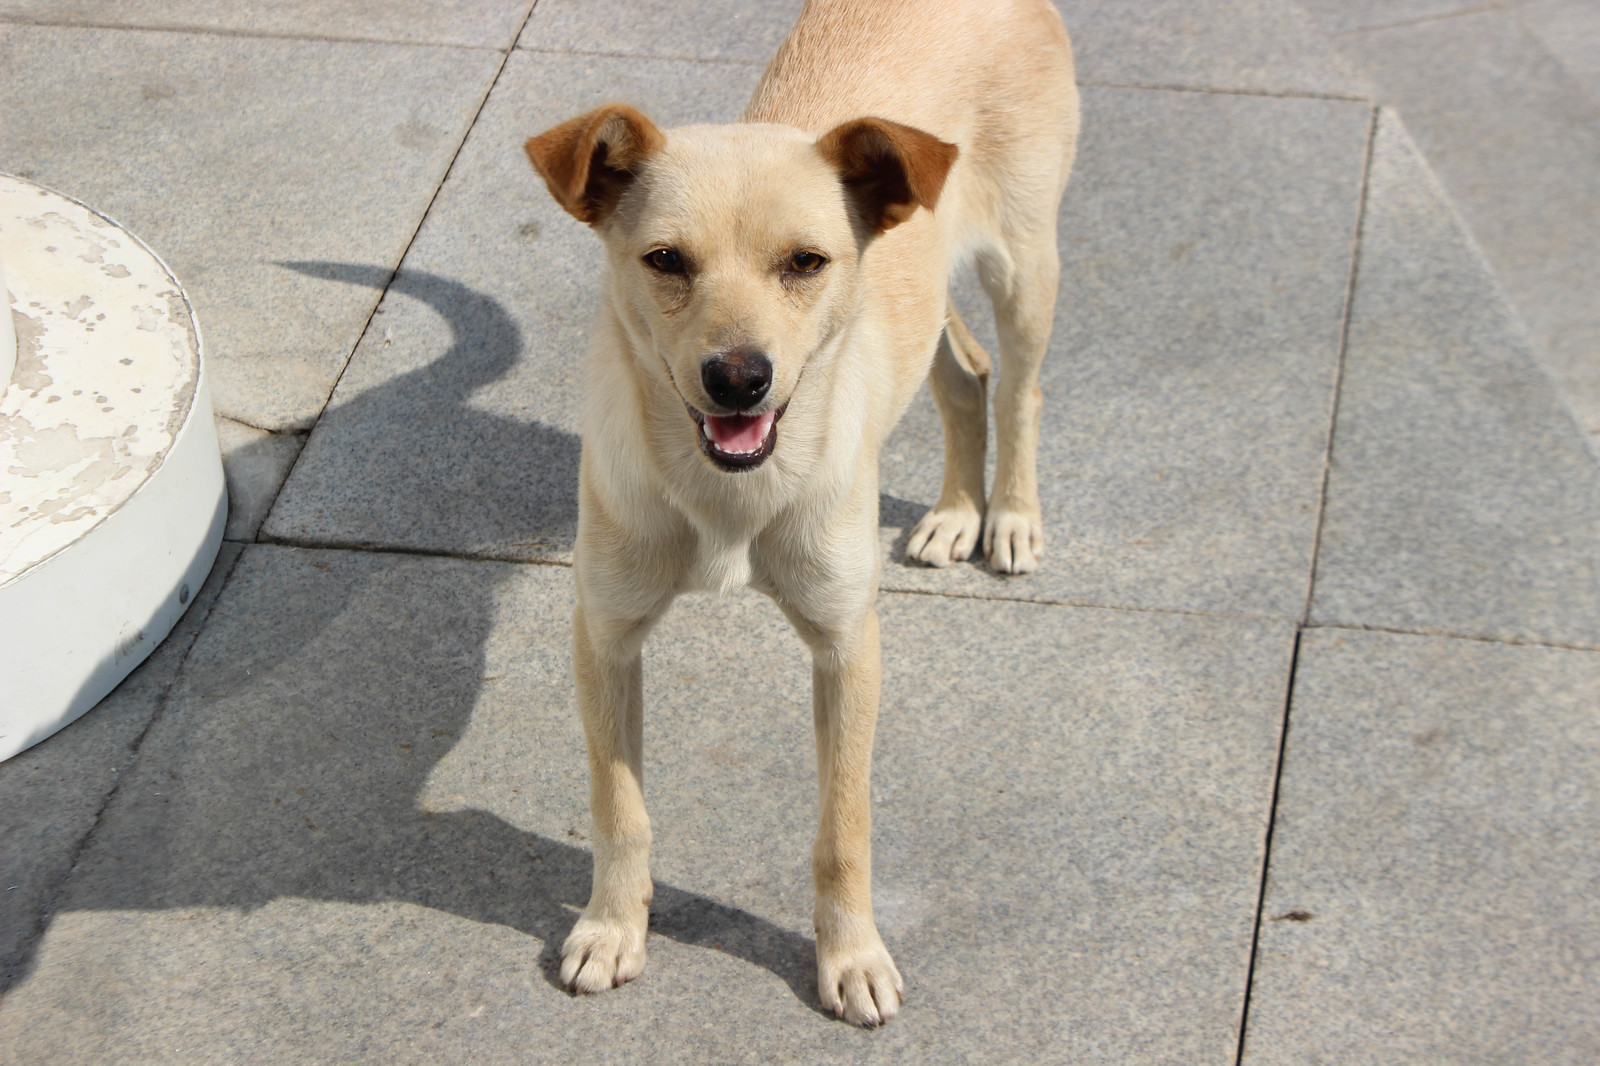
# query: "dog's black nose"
737, 379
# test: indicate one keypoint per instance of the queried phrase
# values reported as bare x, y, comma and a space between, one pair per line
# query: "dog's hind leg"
1022, 286
960, 381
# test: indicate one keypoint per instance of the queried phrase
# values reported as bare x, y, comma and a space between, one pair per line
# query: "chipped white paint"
107, 363
111, 494
8, 337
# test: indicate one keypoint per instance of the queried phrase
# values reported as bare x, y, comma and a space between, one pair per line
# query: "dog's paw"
1013, 540
602, 953
859, 982
945, 535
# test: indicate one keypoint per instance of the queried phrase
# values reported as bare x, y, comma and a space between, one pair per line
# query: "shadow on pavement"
293, 762
413, 463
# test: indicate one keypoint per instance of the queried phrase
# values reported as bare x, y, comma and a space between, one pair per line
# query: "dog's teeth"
707, 431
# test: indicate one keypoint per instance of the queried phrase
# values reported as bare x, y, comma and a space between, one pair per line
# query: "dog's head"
735, 250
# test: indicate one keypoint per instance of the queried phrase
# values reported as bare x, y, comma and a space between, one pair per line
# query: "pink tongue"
739, 433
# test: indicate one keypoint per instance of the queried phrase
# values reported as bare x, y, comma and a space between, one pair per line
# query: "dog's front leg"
855, 975
606, 946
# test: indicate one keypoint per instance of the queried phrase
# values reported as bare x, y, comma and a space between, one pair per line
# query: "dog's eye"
806, 262
665, 260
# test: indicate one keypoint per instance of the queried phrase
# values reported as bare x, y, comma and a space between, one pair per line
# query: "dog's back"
937, 65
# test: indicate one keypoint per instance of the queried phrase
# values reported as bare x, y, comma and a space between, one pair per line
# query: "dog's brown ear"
888, 170
588, 161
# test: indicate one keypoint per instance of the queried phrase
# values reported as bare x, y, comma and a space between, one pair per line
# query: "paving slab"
1570, 31
1206, 244
358, 833
52, 794
1258, 46
727, 30
1352, 16
231, 155
1461, 496
254, 462
1432, 894
455, 428
1512, 134
487, 23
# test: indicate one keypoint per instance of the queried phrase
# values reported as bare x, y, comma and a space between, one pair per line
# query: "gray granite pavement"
1287, 755
731, 31
1503, 99
232, 154
1460, 498
1432, 895
481, 23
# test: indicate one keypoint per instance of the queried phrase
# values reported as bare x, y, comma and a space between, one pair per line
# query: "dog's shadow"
902, 515
415, 462
294, 762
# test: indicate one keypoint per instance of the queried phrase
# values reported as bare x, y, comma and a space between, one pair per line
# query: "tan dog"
777, 295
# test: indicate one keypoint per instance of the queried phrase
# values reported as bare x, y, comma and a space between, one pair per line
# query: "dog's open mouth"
738, 442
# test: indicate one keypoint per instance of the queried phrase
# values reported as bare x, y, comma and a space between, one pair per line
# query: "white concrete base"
112, 501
